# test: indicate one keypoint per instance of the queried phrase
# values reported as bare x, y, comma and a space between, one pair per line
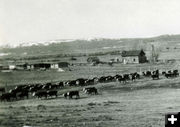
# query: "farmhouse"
134, 56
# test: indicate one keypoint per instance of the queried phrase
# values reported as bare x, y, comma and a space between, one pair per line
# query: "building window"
134, 59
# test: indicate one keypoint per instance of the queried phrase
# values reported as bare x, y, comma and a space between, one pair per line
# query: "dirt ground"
142, 103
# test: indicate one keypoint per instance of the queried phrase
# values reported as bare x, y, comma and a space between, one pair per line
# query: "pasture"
141, 103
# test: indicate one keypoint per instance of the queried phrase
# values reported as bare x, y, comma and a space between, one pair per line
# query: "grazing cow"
70, 83
95, 80
36, 87
40, 94
2, 89
13, 93
61, 85
89, 82
102, 79
5, 97
163, 73
121, 79
71, 94
175, 73
135, 76
155, 74
52, 93
80, 81
126, 76
117, 76
90, 90
47, 86
8, 96
147, 73
23, 94
53, 86
109, 78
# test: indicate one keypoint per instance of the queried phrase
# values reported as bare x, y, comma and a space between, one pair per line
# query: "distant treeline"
63, 55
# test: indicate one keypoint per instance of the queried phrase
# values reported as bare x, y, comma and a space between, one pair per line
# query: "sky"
41, 20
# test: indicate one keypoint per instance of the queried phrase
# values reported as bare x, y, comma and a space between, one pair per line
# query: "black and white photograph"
89, 63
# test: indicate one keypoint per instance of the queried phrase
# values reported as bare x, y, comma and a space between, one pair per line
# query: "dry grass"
142, 103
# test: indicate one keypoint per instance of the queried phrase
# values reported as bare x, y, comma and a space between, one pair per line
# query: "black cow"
147, 73
102, 79
109, 78
175, 73
80, 81
2, 89
121, 79
90, 82
71, 94
40, 94
60, 85
23, 94
70, 83
52, 93
90, 90
6, 97
155, 74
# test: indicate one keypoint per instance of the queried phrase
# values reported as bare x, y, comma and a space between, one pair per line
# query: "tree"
93, 60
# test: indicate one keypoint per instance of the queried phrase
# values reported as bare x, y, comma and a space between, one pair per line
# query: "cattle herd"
49, 90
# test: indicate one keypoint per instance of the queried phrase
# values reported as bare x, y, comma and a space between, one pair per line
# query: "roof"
132, 53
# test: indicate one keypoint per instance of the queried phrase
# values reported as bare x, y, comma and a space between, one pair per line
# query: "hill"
161, 43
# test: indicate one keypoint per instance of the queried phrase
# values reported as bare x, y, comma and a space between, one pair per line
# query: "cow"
52, 93
175, 73
6, 97
155, 74
60, 85
69, 83
147, 73
109, 78
90, 90
135, 76
71, 94
80, 81
126, 76
89, 82
102, 79
40, 94
23, 94
121, 79
46, 86
2, 89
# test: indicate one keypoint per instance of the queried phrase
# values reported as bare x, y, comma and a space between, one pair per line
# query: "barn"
134, 56
63, 64
41, 66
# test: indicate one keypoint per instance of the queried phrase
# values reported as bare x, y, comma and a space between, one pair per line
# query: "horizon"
44, 42
44, 20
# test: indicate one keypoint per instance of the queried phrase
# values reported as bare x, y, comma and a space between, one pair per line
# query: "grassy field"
142, 103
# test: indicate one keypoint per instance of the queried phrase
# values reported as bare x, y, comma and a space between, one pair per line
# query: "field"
142, 103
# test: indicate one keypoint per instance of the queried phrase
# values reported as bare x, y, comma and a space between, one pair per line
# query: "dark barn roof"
132, 53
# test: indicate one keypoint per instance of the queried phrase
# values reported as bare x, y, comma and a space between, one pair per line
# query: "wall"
133, 59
